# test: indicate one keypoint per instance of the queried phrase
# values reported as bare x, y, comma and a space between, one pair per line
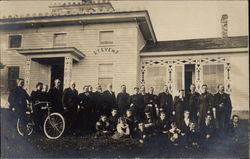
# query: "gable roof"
197, 44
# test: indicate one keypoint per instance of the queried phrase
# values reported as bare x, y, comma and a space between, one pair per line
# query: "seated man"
113, 119
122, 129
102, 127
207, 129
174, 134
131, 121
235, 130
141, 134
162, 124
192, 136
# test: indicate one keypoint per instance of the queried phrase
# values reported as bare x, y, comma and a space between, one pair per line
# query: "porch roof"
53, 52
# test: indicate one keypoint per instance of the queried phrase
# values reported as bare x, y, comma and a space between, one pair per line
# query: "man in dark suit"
165, 100
192, 102
97, 99
223, 106
18, 100
122, 101
205, 104
55, 97
151, 102
109, 100
70, 102
136, 101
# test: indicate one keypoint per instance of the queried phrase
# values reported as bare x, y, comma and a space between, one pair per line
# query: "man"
151, 101
142, 106
97, 102
45, 93
165, 100
55, 97
108, 100
18, 100
223, 105
122, 101
136, 102
70, 102
205, 104
192, 102
37, 95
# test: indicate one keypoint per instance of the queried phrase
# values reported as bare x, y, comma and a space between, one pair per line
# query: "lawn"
86, 145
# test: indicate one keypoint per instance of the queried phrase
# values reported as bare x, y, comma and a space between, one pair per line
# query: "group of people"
141, 115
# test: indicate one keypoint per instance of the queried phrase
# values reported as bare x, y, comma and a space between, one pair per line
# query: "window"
13, 74
105, 75
15, 41
156, 77
60, 39
106, 37
179, 78
212, 76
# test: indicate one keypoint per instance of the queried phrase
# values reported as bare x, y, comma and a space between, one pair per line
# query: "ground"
86, 145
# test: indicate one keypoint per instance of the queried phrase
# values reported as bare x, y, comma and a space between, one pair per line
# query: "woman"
179, 107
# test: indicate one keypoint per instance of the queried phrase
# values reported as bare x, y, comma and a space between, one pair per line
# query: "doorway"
57, 72
189, 76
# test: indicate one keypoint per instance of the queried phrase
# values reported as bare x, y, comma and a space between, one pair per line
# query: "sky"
172, 20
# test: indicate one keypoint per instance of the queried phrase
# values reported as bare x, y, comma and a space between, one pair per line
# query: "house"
91, 43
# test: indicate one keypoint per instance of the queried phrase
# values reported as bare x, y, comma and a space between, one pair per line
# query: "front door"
189, 76
57, 72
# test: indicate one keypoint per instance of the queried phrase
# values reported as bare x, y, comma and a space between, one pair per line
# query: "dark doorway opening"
189, 76
57, 72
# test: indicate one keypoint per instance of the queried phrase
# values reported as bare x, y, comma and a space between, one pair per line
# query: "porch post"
27, 74
68, 61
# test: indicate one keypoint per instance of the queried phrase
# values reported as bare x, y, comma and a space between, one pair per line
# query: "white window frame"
9, 35
106, 44
66, 39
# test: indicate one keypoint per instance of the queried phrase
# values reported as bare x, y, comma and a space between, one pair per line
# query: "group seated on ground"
186, 134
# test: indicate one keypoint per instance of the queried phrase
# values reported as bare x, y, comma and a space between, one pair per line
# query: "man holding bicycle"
18, 100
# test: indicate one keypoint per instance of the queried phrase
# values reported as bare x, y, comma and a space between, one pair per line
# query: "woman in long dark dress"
179, 107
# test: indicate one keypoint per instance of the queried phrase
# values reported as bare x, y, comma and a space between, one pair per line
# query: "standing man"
223, 105
151, 100
108, 100
135, 101
142, 106
70, 102
192, 102
205, 104
166, 102
55, 97
18, 100
179, 107
97, 102
45, 93
122, 101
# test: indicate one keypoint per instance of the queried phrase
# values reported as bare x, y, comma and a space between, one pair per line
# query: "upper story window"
15, 41
60, 39
106, 37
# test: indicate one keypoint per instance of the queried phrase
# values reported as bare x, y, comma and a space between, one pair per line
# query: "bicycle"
53, 123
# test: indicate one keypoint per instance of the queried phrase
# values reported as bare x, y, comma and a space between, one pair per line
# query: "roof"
197, 44
51, 19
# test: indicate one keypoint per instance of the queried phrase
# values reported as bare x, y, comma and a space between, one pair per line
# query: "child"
113, 119
192, 136
174, 134
122, 129
131, 121
162, 125
102, 126
141, 133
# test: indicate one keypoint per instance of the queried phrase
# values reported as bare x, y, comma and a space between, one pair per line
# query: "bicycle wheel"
54, 126
22, 128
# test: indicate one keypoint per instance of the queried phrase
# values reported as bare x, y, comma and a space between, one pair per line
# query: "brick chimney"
224, 25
